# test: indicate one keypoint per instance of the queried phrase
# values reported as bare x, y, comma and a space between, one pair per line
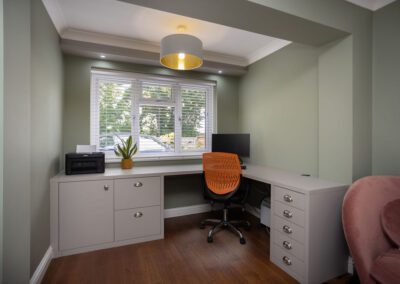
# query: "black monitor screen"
232, 143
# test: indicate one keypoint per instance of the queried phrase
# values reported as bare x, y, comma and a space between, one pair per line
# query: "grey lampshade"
181, 52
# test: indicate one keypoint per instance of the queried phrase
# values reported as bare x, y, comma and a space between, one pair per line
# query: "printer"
84, 163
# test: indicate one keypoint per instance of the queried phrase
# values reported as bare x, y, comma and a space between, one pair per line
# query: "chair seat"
386, 268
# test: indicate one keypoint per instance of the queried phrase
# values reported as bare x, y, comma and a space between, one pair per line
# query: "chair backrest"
222, 172
362, 208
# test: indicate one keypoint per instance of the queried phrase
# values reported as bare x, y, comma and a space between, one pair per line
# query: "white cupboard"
86, 213
105, 212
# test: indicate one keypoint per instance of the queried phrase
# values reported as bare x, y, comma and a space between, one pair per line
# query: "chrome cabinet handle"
287, 245
287, 229
106, 187
138, 214
287, 213
287, 198
286, 260
138, 184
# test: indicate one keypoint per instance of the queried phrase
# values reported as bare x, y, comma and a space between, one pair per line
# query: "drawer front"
288, 262
289, 213
137, 192
289, 245
288, 229
290, 197
138, 222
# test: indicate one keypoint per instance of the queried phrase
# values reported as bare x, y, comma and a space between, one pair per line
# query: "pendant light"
181, 51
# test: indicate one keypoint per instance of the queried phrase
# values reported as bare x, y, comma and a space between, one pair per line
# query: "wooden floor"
183, 256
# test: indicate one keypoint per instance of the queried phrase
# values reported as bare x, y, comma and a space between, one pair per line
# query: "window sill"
188, 156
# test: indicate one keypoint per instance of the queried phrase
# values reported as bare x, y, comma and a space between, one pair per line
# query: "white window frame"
136, 79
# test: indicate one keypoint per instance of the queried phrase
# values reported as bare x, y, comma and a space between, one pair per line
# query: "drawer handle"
287, 213
106, 187
138, 214
287, 245
286, 260
138, 184
287, 198
287, 229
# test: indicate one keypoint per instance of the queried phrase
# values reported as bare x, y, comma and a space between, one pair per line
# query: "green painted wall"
386, 90
1, 135
17, 141
335, 105
33, 97
46, 125
77, 95
279, 107
357, 48
179, 191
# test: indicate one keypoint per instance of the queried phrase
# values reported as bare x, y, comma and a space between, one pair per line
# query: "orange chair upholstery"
223, 176
222, 172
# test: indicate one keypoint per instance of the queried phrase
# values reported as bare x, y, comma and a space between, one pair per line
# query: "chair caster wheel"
202, 226
242, 241
209, 239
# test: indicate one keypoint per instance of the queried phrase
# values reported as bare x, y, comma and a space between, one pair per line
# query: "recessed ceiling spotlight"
102, 56
219, 71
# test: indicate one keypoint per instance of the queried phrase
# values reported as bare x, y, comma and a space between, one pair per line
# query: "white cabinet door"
85, 213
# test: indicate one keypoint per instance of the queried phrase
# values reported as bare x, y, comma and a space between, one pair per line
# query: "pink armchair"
362, 207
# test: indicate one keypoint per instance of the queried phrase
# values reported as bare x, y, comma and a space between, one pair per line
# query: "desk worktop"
287, 179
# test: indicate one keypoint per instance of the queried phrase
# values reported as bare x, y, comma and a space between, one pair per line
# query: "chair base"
233, 226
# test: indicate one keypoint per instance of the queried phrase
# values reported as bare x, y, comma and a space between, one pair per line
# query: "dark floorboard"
184, 256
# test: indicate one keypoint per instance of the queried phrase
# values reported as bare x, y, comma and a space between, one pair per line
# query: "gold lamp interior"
181, 61
181, 52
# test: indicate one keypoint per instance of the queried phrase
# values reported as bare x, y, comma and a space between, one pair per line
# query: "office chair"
222, 180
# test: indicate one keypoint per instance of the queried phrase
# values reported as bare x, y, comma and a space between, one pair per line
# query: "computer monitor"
232, 143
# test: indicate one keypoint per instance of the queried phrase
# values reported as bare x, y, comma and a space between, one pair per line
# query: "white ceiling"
372, 5
117, 23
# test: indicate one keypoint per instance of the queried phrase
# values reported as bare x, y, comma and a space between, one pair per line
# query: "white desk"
120, 207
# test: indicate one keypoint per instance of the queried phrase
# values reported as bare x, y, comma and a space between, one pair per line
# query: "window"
166, 117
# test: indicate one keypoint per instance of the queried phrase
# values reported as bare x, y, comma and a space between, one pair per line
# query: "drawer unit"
289, 245
138, 222
289, 263
289, 213
288, 229
290, 197
137, 192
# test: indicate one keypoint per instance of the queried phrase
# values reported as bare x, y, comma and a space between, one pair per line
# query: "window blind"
114, 112
157, 92
157, 129
165, 116
193, 119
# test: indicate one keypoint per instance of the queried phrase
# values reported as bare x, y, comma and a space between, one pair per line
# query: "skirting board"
187, 210
201, 208
253, 210
40, 271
